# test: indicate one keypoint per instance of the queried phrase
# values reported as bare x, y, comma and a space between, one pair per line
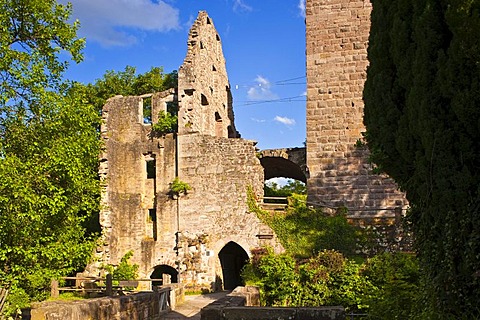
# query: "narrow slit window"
150, 168
152, 214
147, 110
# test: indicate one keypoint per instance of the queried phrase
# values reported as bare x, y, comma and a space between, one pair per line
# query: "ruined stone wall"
140, 214
204, 91
131, 196
215, 211
337, 37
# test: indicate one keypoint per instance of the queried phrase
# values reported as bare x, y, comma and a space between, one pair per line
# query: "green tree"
48, 151
129, 83
422, 98
272, 189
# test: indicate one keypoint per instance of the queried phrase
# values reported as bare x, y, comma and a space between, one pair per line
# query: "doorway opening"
166, 273
232, 258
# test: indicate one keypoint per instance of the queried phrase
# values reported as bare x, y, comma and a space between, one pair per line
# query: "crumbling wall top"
205, 101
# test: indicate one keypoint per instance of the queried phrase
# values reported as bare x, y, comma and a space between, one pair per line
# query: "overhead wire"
283, 82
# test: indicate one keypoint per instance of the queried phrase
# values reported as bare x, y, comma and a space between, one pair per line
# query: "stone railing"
243, 303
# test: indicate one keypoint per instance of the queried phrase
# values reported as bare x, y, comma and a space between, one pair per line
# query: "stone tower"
337, 34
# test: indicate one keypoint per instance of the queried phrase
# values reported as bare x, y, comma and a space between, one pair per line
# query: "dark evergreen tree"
422, 114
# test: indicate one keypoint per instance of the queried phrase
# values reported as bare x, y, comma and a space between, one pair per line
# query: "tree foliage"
272, 189
129, 83
48, 151
422, 98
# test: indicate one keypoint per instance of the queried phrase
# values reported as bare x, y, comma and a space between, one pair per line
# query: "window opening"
218, 125
152, 214
150, 168
204, 100
147, 110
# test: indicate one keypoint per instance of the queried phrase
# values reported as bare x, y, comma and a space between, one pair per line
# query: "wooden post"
109, 290
54, 292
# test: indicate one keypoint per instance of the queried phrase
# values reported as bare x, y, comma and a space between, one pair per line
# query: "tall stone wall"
135, 215
205, 98
340, 175
215, 211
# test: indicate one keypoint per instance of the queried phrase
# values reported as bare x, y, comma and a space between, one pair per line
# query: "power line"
288, 99
284, 82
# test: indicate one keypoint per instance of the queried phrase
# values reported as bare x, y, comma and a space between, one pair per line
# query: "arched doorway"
165, 272
232, 258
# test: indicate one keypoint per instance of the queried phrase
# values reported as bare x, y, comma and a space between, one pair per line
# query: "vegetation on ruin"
167, 123
324, 264
421, 113
178, 187
304, 231
48, 152
124, 270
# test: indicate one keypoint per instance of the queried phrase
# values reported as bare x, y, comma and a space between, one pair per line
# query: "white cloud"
239, 5
261, 91
110, 22
258, 120
286, 121
301, 6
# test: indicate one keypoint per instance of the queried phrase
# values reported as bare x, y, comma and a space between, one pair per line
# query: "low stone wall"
138, 306
243, 304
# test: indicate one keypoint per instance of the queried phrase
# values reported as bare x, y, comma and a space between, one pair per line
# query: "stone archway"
164, 272
232, 258
288, 163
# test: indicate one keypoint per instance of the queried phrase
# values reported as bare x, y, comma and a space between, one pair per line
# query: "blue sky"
263, 43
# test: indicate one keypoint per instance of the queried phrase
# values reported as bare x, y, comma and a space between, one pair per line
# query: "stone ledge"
243, 304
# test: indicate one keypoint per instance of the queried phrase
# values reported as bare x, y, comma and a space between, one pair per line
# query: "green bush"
167, 123
178, 187
325, 279
124, 270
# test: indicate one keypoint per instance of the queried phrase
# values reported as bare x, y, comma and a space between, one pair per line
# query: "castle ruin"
203, 238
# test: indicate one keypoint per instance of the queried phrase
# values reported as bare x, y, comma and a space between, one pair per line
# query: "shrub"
167, 123
124, 270
178, 187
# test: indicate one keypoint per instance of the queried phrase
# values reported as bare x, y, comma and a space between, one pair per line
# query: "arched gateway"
165, 272
232, 258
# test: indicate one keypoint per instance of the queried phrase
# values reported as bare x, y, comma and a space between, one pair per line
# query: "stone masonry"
337, 34
205, 96
184, 234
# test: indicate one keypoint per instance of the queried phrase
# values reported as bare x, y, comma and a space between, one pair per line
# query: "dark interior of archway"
232, 258
160, 271
275, 167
